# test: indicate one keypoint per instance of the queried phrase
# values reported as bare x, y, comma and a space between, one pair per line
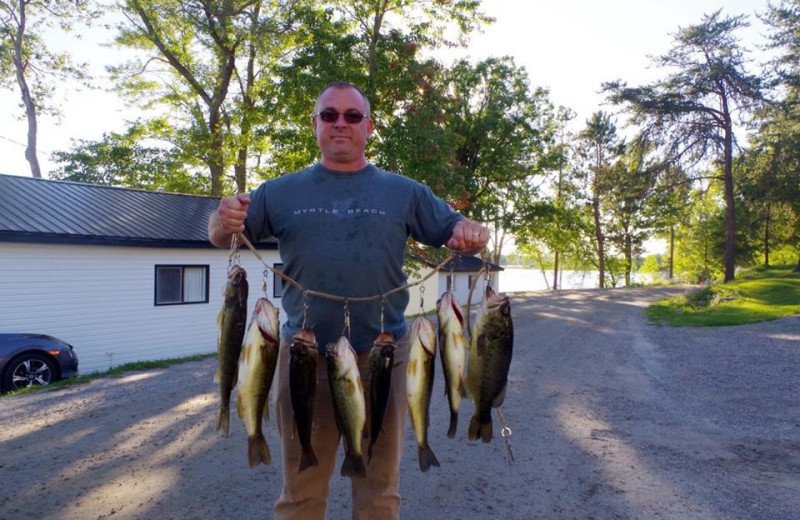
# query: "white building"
129, 275
123, 275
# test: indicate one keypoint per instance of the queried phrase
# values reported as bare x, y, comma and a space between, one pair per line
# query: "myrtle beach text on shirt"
342, 211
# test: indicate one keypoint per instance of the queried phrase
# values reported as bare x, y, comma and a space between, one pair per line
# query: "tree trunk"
628, 260
671, 252
598, 233
730, 221
797, 267
555, 272
767, 222
30, 107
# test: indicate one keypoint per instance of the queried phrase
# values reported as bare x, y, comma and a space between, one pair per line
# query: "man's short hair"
343, 85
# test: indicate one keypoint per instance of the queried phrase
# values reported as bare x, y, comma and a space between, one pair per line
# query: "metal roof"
41, 210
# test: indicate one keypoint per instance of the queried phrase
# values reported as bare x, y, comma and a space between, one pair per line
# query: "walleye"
257, 363
419, 383
453, 347
381, 363
231, 320
490, 358
303, 389
349, 406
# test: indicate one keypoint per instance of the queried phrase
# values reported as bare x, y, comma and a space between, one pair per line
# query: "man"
342, 227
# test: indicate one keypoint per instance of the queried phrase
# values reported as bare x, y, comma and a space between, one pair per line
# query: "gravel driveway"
610, 417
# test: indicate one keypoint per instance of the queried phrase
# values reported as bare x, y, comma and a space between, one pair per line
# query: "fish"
349, 404
257, 363
303, 358
453, 352
232, 320
419, 383
491, 348
381, 363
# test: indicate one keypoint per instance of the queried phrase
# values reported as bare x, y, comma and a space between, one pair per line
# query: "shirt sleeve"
432, 220
256, 225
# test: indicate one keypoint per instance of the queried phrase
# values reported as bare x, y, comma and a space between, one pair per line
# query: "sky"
567, 46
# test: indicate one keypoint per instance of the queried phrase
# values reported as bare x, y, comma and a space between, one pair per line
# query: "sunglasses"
330, 115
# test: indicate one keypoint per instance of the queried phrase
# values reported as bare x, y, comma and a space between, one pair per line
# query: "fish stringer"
346, 330
506, 434
233, 258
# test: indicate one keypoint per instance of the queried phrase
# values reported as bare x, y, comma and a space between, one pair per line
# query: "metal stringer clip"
506, 434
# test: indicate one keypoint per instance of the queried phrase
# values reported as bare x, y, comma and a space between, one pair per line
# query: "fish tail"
480, 429
258, 451
451, 433
224, 419
308, 459
427, 458
353, 466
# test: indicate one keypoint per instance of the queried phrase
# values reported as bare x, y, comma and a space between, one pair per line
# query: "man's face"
341, 143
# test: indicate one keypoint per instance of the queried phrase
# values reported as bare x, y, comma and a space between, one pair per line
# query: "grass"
758, 294
111, 372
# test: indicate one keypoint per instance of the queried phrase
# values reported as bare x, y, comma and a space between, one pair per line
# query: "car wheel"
29, 370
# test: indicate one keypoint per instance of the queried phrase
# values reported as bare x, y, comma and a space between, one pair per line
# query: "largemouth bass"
257, 363
453, 347
349, 404
381, 363
419, 383
303, 389
490, 358
231, 321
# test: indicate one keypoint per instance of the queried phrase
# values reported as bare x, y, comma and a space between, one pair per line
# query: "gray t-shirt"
345, 234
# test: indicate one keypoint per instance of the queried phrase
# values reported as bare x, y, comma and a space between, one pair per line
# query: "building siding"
101, 299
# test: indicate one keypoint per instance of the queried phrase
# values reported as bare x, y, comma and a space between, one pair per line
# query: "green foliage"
652, 265
124, 160
758, 295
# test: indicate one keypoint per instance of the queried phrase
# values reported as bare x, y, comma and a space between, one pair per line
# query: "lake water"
513, 279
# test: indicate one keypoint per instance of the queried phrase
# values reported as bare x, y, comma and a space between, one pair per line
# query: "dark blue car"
34, 359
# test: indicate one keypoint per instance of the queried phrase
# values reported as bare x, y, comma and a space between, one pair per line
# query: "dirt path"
611, 418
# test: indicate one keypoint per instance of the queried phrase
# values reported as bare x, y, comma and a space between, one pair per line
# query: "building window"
451, 282
277, 281
177, 284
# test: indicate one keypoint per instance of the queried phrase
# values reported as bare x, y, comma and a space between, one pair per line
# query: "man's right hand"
228, 219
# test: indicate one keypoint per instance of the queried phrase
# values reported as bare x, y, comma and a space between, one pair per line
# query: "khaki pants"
304, 495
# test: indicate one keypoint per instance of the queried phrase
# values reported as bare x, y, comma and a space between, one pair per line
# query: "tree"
33, 66
479, 136
600, 146
669, 208
202, 57
629, 184
691, 112
124, 160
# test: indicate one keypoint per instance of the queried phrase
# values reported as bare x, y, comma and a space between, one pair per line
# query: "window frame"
277, 281
182, 267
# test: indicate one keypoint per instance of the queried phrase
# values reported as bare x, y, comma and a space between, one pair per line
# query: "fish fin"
224, 420
265, 415
258, 451
451, 433
427, 458
308, 459
353, 466
240, 405
461, 387
500, 397
478, 429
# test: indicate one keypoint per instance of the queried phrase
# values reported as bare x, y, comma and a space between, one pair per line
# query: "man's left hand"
468, 238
